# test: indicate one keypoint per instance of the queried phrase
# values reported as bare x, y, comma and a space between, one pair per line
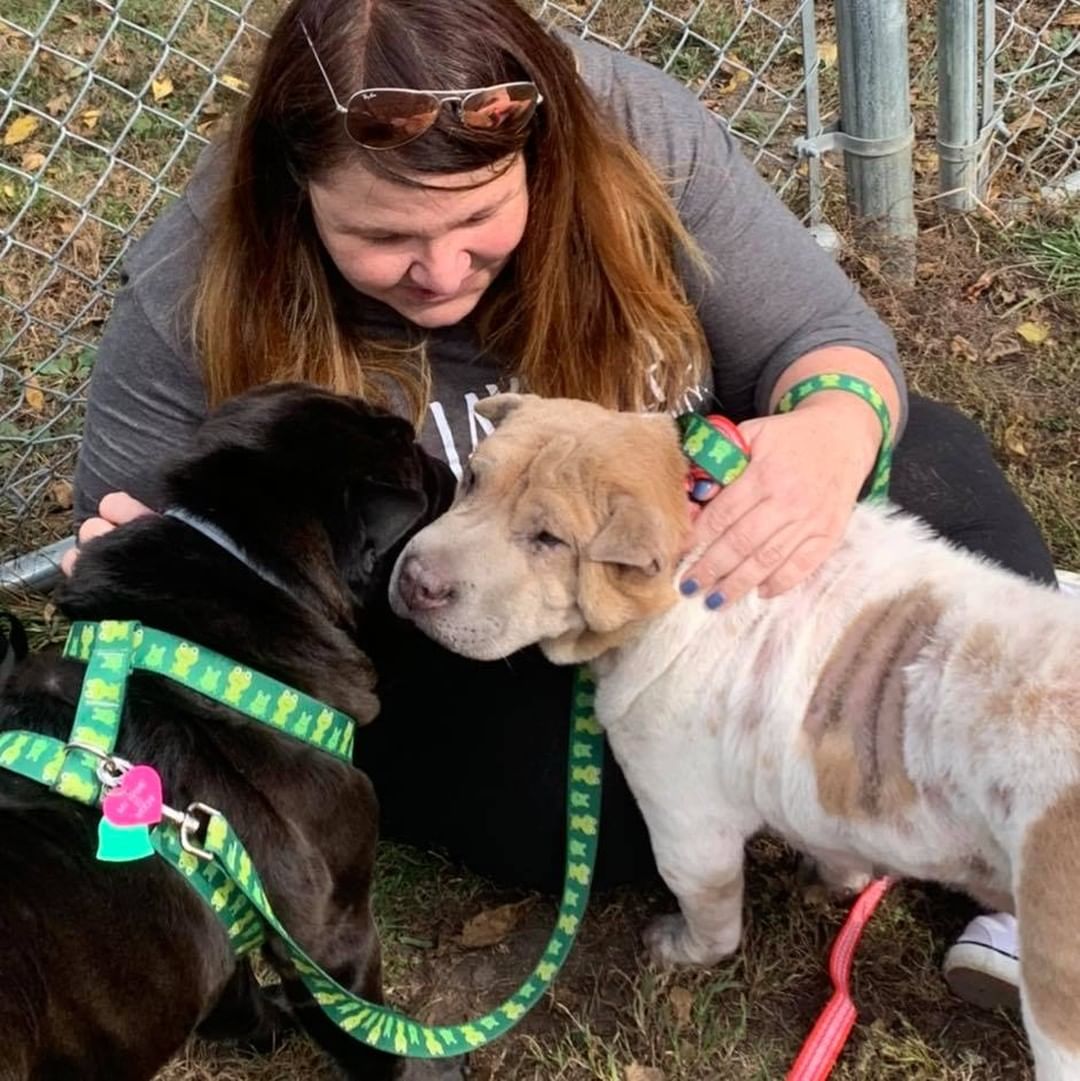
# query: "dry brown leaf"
32, 161
90, 118
1003, 344
20, 129
59, 104
736, 71
1014, 442
961, 347
62, 493
1031, 121
35, 398
490, 927
233, 82
1033, 333
161, 88
980, 285
682, 1003
636, 1072
828, 51
1070, 18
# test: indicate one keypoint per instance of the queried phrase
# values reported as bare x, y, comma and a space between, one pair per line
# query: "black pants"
470, 757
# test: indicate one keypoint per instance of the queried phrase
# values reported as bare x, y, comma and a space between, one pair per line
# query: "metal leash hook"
189, 824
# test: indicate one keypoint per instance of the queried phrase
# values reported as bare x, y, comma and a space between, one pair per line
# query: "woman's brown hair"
591, 304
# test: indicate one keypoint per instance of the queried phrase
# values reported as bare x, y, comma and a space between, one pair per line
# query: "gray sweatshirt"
773, 296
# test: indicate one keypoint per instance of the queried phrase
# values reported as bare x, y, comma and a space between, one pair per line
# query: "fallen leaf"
233, 83
682, 1002
736, 71
90, 118
33, 395
827, 52
961, 347
49, 611
20, 130
161, 88
62, 494
9, 190
55, 106
1033, 333
491, 926
1014, 443
1003, 344
1030, 121
33, 161
72, 18
637, 1072
980, 285
1070, 18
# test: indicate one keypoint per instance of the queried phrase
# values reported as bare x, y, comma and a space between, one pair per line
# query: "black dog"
106, 969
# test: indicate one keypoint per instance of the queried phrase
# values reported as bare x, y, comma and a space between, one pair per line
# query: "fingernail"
703, 489
714, 600
688, 588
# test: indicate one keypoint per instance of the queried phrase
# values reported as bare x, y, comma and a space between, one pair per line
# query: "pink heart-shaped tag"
136, 800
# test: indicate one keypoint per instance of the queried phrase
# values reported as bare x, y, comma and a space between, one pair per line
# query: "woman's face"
429, 253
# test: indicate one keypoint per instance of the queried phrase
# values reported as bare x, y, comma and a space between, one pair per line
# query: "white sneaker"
983, 966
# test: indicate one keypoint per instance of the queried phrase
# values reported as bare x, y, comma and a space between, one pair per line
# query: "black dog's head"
316, 488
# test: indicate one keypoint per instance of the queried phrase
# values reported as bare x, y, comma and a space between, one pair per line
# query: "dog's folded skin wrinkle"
106, 969
881, 716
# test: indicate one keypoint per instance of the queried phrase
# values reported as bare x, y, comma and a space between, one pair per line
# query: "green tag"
122, 844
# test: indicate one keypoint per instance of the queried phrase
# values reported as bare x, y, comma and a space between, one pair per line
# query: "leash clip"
190, 824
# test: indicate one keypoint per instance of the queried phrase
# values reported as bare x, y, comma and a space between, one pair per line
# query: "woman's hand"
117, 508
779, 521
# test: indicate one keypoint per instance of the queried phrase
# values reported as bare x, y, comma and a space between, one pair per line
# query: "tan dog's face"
566, 531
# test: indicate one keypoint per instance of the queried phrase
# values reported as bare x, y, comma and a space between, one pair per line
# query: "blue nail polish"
714, 600
688, 588
703, 490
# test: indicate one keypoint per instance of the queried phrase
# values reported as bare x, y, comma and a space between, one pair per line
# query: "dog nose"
420, 588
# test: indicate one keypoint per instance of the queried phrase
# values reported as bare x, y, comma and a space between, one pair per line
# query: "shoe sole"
983, 976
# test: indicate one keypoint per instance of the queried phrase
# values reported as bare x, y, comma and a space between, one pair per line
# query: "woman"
551, 214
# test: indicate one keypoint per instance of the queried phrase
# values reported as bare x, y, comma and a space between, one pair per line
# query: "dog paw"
670, 942
822, 882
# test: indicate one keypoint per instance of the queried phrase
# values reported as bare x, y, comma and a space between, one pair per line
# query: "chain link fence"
104, 107
1031, 95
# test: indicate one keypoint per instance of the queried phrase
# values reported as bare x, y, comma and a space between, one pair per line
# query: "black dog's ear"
13, 645
388, 513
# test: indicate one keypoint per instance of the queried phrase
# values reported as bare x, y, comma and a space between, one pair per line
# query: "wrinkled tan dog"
910, 708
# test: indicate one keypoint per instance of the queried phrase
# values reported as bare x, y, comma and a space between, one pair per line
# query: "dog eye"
544, 539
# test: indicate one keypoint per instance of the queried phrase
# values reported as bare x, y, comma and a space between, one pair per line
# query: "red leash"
824, 1044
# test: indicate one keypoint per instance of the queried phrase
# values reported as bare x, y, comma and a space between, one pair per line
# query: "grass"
610, 1017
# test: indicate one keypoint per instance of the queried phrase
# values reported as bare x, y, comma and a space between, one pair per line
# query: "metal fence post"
958, 142
875, 119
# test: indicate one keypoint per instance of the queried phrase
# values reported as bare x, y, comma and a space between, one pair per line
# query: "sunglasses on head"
385, 117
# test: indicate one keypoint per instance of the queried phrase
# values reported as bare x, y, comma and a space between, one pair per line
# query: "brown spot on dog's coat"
1047, 919
855, 719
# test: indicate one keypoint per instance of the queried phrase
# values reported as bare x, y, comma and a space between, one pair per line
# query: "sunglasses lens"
500, 108
383, 119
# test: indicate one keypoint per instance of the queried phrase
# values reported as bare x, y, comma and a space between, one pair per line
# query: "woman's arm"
775, 309
146, 395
